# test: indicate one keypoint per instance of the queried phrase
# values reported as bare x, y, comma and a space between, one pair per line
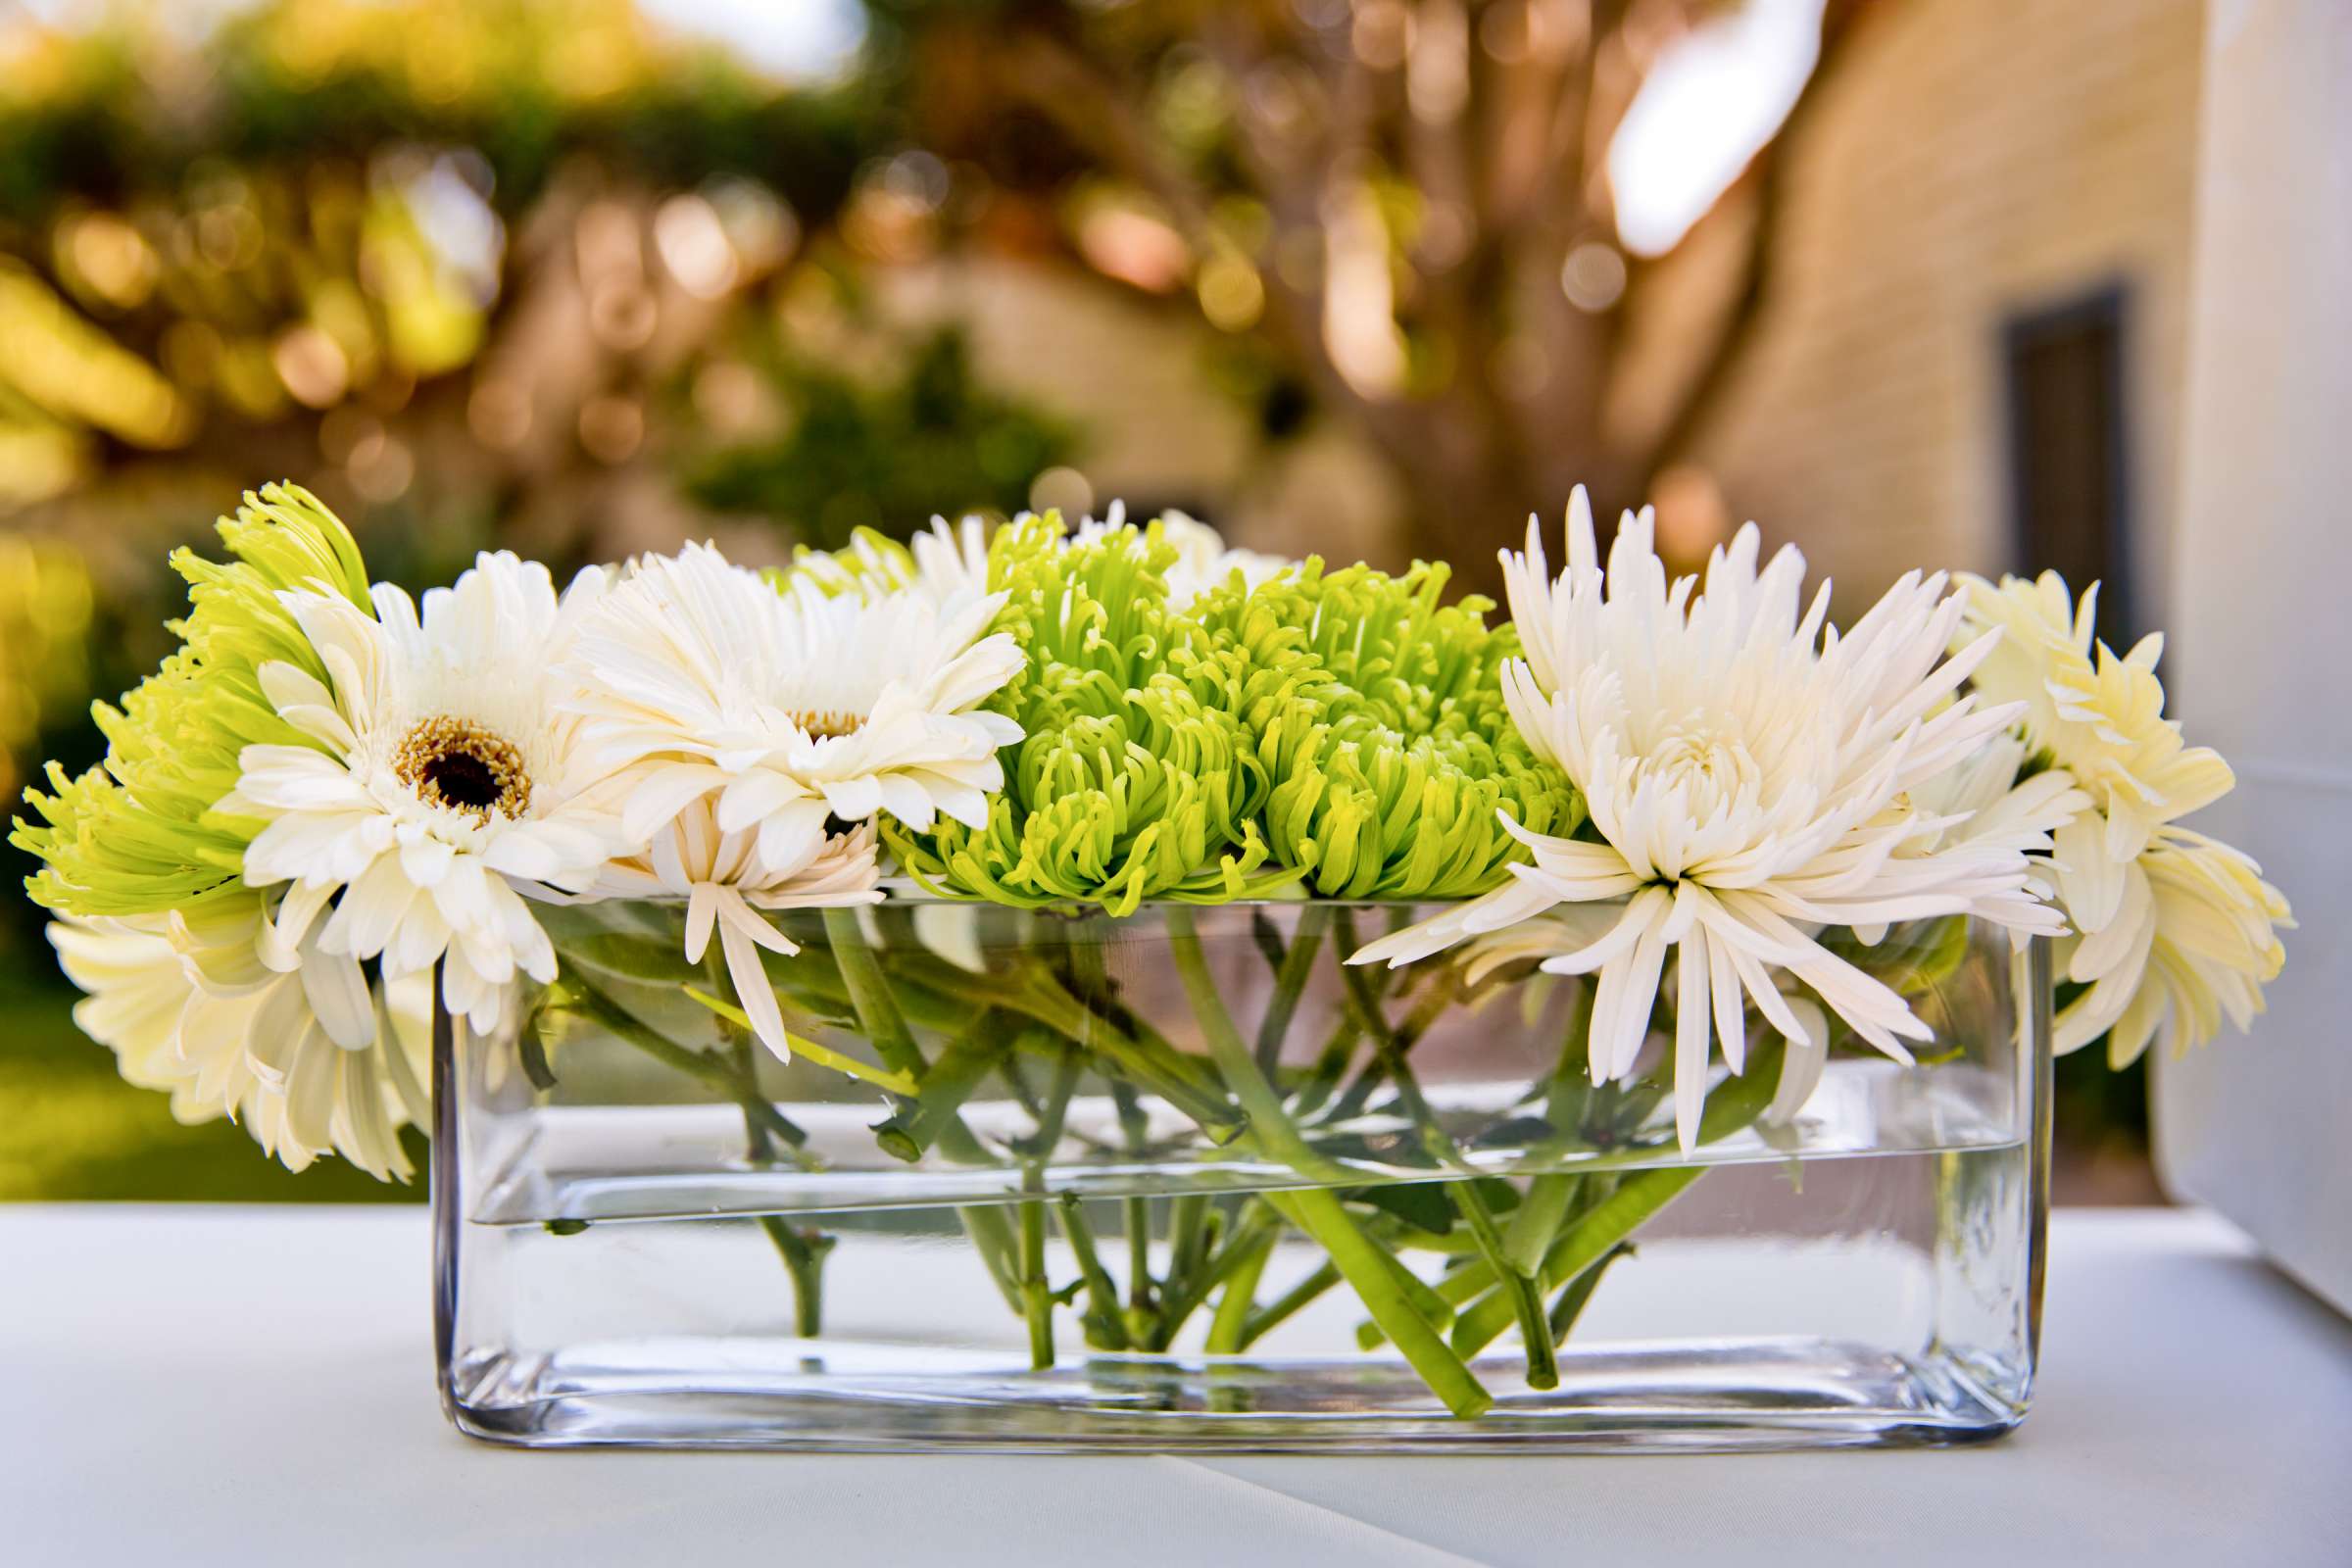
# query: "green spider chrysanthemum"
1378, 717
137, 834
1132, 782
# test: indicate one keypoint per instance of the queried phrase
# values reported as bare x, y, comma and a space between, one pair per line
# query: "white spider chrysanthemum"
1981, 802
2175, 929
451, 776
791, 705
1748, 772
207, 1008
725, 885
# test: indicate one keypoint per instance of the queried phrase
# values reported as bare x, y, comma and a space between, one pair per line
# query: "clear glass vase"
1182, 1180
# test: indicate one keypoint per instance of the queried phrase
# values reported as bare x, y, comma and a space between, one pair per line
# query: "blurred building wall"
1970, 164
2256, 1127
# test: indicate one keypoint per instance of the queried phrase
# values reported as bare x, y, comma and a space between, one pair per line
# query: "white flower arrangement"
680, 726
1696, 791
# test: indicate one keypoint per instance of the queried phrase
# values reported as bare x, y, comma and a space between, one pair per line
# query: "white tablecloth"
188, 1385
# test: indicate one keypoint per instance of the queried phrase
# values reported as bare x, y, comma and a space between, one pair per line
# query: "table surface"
198, 1383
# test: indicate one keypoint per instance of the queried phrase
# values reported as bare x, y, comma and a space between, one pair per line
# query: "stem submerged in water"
1369, 1270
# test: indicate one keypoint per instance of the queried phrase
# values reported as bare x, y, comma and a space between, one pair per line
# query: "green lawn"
69, 1128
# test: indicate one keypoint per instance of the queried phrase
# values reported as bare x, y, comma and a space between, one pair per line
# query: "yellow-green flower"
1132, 782
1377, 715
137, 834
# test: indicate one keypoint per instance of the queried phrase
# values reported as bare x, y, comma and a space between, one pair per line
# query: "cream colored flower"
2193, 939
2175, 929
451, 778
1749, 776
947, 563
2101, 718
206, 1007
791, 706
725, 885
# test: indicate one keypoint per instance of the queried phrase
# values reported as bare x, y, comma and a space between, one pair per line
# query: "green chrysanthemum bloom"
1131, 782
137, 834
1377, 715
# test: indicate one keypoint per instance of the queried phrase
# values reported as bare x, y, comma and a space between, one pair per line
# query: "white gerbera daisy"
451, 776
1748, 772
207, 1008
948, 562
791, 707
725, 885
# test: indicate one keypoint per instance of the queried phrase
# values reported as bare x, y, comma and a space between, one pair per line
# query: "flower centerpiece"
1146, 993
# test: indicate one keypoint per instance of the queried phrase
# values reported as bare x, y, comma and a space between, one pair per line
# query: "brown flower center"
829, 724
458, 763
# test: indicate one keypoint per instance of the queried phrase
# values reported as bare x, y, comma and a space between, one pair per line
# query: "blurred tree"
459, 266
1407, 204
441, 250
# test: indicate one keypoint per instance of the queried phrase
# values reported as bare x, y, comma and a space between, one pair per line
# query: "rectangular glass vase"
1182, 1180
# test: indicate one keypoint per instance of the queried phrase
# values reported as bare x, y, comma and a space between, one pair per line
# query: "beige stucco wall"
1972, 158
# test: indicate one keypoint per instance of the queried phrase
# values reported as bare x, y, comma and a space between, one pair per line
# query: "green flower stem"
1055, 1112
1095, 1023
1290, 984
1389, 1045
1373, 1275
1369, 1270
1197, 1283
1283, 1306
1135, 1214
1519, 1286
1518, 1283
1037, 1295
1331, 1066
1135, 1219
1579, 1291
879, 1018
992, 1236
1228, 1329
938, 1102
1104, 1324
1545, 1207
1599, 1232
707, 1070
1188, 1223
869, 994
803, 1250
804, 1254
824, 1055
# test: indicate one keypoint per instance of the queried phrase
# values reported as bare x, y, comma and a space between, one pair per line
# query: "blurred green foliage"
881, 455
69, 1128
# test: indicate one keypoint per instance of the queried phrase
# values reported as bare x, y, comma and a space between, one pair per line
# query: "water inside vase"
1773, 1301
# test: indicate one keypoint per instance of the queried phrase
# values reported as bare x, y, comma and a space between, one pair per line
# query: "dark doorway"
2068, 448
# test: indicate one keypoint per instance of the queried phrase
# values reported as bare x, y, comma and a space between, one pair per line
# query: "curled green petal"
1131, 782
1377, 714
137, 834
